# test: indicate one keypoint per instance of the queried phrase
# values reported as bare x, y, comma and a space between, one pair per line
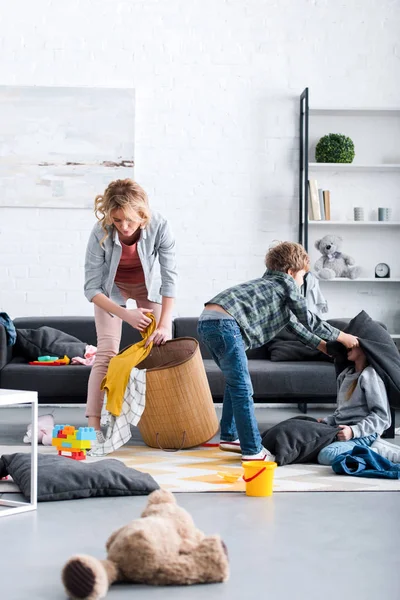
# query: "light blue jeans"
224, 341
328, 454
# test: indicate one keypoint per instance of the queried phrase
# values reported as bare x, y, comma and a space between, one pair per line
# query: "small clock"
382, 271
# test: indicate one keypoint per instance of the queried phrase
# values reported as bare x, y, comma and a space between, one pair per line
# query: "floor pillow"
298, 440
61, 478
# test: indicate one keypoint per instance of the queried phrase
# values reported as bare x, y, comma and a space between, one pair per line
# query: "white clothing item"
316, 302
119, 428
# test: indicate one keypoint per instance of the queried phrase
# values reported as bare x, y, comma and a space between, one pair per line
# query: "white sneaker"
230, 446
386, 449
100, 439
263, 455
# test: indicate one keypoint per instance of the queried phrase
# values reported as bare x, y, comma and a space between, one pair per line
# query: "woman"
130, 254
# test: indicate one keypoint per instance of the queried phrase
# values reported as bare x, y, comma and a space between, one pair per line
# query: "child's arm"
330, 419
376, 398
319, 328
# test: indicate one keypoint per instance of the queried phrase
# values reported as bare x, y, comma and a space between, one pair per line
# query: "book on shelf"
327, 204
315, 213
321, 203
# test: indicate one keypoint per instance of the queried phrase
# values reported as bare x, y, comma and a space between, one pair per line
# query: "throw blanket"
364, 462
10, 330
116, 380
381, 352
43, 341
119, 428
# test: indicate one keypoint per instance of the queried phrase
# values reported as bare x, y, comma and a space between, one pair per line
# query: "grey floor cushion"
61, 478
298, 440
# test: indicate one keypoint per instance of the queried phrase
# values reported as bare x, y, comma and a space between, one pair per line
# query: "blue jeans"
224, 341
328, 454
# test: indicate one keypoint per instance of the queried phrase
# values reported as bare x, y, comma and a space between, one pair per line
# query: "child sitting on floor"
362, 412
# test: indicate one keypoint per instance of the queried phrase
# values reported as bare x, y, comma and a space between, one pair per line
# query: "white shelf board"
357, 223
349, 167
362, 280
395, 336
355, 112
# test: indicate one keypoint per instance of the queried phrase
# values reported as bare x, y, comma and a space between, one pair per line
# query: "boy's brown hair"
287, 255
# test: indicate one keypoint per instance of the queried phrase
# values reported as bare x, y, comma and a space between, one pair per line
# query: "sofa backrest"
82, 328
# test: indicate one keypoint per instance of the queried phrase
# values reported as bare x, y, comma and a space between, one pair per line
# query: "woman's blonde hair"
287, 255
127, 195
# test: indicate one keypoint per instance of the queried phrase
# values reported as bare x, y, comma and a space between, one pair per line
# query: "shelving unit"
362, 280
352, 168
375, 132
356, 223
354, 112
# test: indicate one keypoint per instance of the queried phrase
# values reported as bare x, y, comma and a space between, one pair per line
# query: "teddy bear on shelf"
333, 262
163, 547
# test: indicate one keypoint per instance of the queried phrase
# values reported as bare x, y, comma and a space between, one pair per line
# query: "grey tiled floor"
290, 546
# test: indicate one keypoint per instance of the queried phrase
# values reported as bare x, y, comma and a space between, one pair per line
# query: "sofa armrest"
5, 351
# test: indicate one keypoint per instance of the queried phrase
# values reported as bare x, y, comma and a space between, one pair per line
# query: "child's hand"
322, 347
348, 340
345, 434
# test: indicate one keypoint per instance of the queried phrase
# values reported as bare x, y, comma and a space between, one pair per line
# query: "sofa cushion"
281, 380
65, 380
61, 478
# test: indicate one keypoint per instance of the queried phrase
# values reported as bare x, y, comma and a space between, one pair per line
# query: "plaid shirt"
264, 306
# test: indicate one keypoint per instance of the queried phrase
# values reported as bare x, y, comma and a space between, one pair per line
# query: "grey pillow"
286, 346
298, 440
61, 478
44, 341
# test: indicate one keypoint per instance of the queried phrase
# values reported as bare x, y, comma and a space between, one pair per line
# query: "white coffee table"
13, 397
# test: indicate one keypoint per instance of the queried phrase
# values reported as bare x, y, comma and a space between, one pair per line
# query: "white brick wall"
216, 134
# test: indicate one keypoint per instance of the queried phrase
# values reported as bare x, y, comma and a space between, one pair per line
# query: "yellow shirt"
116, 379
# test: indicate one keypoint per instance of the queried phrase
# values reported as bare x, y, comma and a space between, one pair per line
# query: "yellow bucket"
259, 477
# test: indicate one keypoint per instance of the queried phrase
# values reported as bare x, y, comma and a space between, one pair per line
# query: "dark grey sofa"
302, 381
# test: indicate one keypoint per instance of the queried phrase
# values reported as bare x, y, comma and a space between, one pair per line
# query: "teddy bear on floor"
45, 426
163, 547
333, 263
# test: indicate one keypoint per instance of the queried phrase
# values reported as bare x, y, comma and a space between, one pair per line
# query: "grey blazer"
156, 249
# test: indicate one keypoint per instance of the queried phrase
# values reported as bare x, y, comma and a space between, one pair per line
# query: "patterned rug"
202, 469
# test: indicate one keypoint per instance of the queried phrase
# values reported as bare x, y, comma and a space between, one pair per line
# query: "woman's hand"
160, 336
345, 434
348, 340
137, 318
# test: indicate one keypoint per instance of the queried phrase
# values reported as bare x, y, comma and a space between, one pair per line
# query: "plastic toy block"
62, 436
69, 429
86, 433
81, 444
56, 429
78, 451
66, 445
73, 455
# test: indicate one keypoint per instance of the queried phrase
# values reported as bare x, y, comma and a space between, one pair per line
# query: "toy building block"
86, 433
72, 442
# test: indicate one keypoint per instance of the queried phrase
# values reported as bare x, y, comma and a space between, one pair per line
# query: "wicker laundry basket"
179, 409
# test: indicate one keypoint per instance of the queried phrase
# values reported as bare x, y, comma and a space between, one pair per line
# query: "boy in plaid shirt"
248, 316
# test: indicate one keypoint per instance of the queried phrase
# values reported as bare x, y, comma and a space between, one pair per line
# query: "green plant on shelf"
334, 148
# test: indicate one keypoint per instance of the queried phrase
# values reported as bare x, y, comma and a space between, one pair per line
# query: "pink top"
130, 268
